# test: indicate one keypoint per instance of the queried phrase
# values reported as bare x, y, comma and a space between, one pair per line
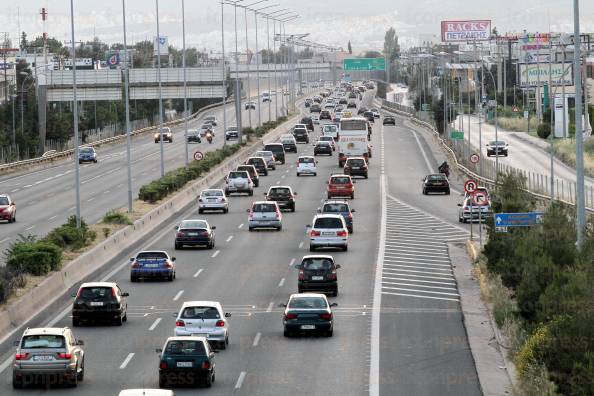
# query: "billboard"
163, 45
473, 30
533, 75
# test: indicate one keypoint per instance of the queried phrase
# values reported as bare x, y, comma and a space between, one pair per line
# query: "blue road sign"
518, 219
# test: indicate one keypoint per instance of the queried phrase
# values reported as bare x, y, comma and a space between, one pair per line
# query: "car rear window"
340, 180
212, 193
200, 313
43, 341
330, 128
96, 293
326, 139
317, 264
353, 125
274, 148
436, 177
280, 190
246, 168
306, 160
3, 201
237, 174
264, 208
152, 255
355, 162
336, 208
323, 143
185, 347
193, 224
328, 222
308, 302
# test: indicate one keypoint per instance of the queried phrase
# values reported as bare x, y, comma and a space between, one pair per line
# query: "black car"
259, 163
253, 172
497, 148
194, 233
325, 115
301, 135
352, 95
352, 105
318, 273
185, 360
356, 166
194, 136
284, 196
308, 102
278, 149
436, 183
389, 120
308, 312
323, 147
308, 123
289, 146
315, 108
342, 101
317, 99
369, 115
99, 301
362, 110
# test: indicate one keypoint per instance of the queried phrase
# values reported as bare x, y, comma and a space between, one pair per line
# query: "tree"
372, 54
391, 46
23, 40
350, 48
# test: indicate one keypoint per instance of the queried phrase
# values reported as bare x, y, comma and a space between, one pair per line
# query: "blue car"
87, 154
339, 207
152, 264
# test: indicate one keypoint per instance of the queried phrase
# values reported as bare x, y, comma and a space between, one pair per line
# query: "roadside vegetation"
541, 290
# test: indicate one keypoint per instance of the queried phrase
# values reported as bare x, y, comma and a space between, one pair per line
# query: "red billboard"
473, 30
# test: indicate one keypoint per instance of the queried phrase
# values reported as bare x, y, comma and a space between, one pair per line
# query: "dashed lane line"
155, 324
198, 272
178, 295
215, 254
257, 339
127, 360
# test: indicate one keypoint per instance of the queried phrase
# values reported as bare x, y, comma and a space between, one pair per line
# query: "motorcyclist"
209, 136
444, 168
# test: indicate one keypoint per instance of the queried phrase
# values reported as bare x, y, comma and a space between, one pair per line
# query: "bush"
543, 130
10, 280
35, 258
115, 217
67, 236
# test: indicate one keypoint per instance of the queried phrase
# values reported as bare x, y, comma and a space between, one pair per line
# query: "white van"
146, 392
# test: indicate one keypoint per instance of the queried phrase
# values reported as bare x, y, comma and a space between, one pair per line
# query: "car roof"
45, 330
257, 156
201, 303
274, 144
328, 216
310, 256
300, 295
146, 392
263, 202
214, 189
98, 284
185, 338
189, 220
338, 175
158, 251
289, 187
336, 201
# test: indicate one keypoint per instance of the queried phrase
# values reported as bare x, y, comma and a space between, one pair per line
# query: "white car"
330, 130
237, 182
204, 319
315, 118
328, 231
251, 105
268, 157
213, 199
211, 119
307, 165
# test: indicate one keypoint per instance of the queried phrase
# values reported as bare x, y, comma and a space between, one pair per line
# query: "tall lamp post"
127, 98
579, 140
75, 115
160, 93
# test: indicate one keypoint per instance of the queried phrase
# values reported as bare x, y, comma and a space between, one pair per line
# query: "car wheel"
257, 183
279, 228
448, 192
73, 382
250, 229
200, 211
367, 176
211, 245
287, 333
118, 321
170, 278
178, 246
17, 384
266, 173
133, 279
226, 210
352, 196
75, 322
312, 248
345, 248
351, 230
81, 373
251, 193
335, 293
329, 333
95, 161
298, 174
293, 208
222, 345
424, 192
315, 174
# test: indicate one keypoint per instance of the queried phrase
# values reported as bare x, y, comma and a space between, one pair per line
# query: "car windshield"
328, 222
86, 150
255, 161
336, 208
264, 154
200, 313
247, 168
151, 255
306, 160
264, 208
353, 125
340, 180
330, 128
212, 193
300, 132
308, 302
3, 201
43, 341
194, 224
96, 293
185, 347
317, 263
274, 147
238, 175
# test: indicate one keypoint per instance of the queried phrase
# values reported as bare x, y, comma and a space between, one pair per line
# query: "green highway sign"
364, 64
425, 107
456, 135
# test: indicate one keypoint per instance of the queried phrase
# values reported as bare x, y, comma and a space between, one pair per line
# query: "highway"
422, 344
46, 197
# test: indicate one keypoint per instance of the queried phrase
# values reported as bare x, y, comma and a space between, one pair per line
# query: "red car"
7, 209
341, 186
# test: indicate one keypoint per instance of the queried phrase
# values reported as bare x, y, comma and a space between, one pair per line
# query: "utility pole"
579, 139
75, 120
127, 98
186, 115
224, 73
160, 93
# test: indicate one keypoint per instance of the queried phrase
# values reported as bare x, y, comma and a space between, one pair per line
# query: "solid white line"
106, 192
257, 339
415, 285
414, 295
198, 272
420, 280
29, 228
239, 226
215, 254
127, 360
281, 283
420, 291
269, 309
5, 240
229, 238
53, 217
178, 295
155, 323
90, 199
240, 380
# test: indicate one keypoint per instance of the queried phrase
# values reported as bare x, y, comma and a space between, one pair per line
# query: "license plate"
151, 265
212, 200
199, 335
43, 358
192, 234
184, 364
96, 303
355, 167
317, 278
328, 233
308, 327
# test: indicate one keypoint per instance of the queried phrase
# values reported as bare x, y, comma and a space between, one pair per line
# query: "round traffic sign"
479, 198
198, 155
474, 158
470, 186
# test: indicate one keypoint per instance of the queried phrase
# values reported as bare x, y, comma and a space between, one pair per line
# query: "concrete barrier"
51, 288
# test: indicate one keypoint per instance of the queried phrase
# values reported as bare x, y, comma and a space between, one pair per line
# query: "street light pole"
247, 50
160, 93
127, 98
75, 121
237, 85
269, 76
258, 69
579, 138
186, 115
224, 73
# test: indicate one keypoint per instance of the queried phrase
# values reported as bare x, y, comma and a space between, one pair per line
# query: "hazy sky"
331, 22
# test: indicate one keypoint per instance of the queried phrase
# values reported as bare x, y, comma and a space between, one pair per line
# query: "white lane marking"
178, 295
416, 285
90, 199
120, 185
229, 238
215, 254
281, 283
397, 266
278, 182
292, 262
239, 226
300, 244
155, 324
257, 339
418, 296
287, 171
72, 208
29, 228
269, 309
127, 360
5, 240
420, 291
198, 272
13, 191
283, 176
53, 217
28, 185
240, 380
390, 278
106, 192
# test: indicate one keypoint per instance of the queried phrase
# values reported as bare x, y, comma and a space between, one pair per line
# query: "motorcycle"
445, 170
209, 137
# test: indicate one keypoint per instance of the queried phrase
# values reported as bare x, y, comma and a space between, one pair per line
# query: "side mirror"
294, 192
308, 226
459, 204
248, 210
125, 294
131, 258
158, 350
327, 182
176, 228
353, 210
172, 258
354, 181
174, 314
80, 342
227, 314
264, 194
12, 203
213, 227
319, 210
338, 266
73, 295
281, 305
334, 305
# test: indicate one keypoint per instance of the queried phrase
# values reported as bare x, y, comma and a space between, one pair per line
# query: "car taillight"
163, 364
180, 234
342, 233
168, 264
113, 292
315, 233
21, 356
301, 276
204, 233
135, 265
277, 214
350, 216
65, 355
220, 323
223, 199
180, 323
291, 316
205, 365
326, 316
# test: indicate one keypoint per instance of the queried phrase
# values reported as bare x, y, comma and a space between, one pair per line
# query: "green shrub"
67, 236
115, 217
35, 258
543, 130
10, 280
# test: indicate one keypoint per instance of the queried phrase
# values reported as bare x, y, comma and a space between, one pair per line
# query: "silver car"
239, 182
268, 157
213, 199
49, 352
265, 214
203, 319
470, 211
328, 231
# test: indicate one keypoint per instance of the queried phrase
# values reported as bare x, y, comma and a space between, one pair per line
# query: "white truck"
352, 141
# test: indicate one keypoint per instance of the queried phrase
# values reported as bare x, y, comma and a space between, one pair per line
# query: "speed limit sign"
474, 158
470, 186
198, 155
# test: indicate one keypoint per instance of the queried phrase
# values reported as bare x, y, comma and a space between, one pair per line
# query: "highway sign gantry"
470, 186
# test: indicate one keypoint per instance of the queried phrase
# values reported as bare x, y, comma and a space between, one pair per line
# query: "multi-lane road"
397, 259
